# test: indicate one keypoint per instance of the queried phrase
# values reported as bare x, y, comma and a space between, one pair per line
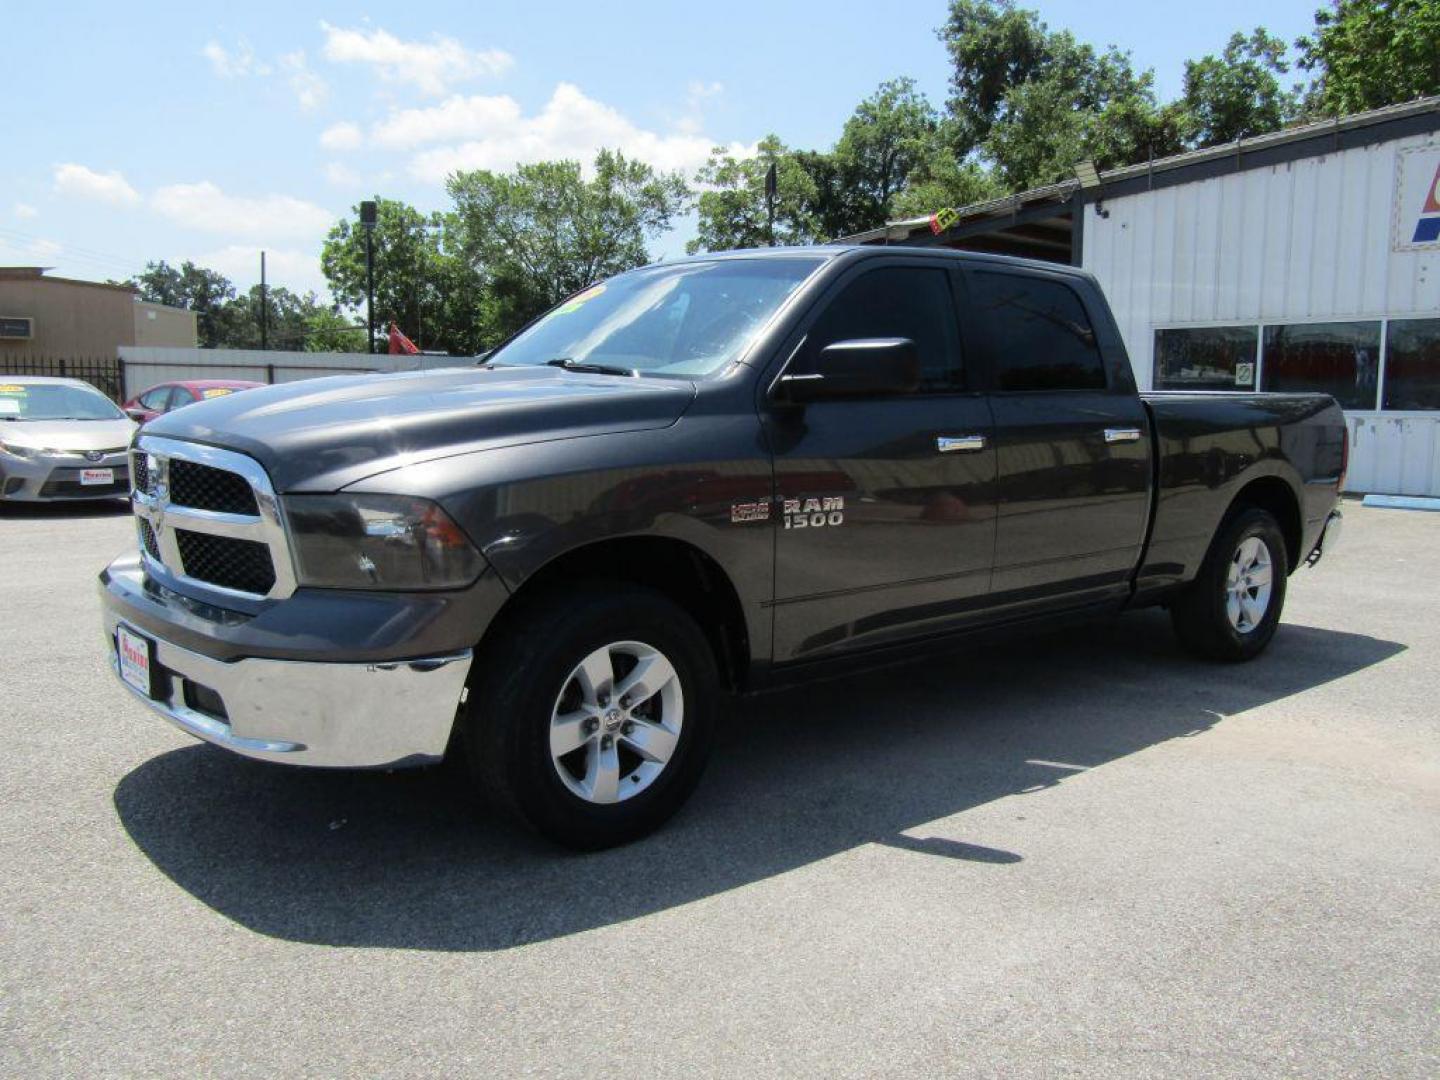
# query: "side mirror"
862, 367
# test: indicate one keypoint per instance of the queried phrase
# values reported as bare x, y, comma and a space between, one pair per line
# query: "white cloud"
341, 175
233, 63
24, 211
205, 207
342, 136
86, 183
298, 271
494, 133
309, 88
431, 66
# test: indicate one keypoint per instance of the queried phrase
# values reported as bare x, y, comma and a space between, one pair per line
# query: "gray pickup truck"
693, 480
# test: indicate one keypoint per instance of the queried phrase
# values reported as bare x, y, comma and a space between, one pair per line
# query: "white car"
61, 440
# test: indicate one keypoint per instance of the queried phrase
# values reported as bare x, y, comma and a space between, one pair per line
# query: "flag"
400, 344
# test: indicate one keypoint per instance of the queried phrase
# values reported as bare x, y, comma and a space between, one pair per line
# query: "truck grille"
243, 565
181, 490
207, 488
140, 471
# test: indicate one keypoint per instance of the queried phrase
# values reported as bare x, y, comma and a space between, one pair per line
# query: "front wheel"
592, 714
1232, 608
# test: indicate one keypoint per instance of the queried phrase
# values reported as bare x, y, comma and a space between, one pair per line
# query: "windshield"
54, 401
690, 319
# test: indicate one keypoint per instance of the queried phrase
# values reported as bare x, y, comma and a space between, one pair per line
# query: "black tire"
1199, 613
523, 669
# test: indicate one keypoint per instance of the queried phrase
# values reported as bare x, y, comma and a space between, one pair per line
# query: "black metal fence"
105, 373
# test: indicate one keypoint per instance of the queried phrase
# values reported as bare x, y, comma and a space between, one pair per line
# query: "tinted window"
1412, 364
898, 301
1208, 358
1339, 359
1043, 338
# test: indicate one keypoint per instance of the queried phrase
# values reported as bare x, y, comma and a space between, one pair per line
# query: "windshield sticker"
217, 391
9, 406
12, 389
575, 302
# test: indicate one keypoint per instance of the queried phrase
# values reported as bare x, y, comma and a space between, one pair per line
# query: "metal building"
1304, 260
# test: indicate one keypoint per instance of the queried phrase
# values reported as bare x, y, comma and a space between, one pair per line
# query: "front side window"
912, 302
686, 320
1206, 358
1341, 359
1412, 364
1043, 337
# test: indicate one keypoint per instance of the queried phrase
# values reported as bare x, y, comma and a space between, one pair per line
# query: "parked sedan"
61, 439
168, 396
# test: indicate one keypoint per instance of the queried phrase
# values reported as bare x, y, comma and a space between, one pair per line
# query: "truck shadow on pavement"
405, 860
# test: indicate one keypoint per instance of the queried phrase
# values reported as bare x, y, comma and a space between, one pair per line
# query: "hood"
323, 434
69, 434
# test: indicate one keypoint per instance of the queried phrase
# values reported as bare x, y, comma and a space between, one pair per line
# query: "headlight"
378, 542
16, 451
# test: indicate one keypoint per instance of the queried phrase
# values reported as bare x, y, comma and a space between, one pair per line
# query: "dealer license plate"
136, 655
97, 476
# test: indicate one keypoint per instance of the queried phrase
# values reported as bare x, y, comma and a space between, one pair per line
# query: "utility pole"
772, 184
367, 222
264, 307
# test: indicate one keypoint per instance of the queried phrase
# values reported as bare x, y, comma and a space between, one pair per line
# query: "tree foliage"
1238, 94
545, 231
1365, 54
423, 282
194, 288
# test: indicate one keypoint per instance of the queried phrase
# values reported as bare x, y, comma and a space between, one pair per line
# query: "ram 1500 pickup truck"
691, 480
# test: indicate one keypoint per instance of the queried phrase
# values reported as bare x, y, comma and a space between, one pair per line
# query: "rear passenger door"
1072, 440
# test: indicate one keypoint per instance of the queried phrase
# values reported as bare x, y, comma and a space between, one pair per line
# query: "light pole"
367, 222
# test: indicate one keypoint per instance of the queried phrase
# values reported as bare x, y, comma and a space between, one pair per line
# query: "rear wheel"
592, 715
1232, 608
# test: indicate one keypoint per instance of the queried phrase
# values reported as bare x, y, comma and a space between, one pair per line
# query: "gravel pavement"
1083, 854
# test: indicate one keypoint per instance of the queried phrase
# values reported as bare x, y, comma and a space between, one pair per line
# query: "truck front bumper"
360, 714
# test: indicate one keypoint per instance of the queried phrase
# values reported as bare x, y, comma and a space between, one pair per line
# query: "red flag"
400, 344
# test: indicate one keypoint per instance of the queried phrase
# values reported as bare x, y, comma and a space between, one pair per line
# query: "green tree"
1365, 54
329, 330
1238, 93
288, 316
195, 288
544, 231
890, 134
731, 210
940, 180
994, 47
422, 282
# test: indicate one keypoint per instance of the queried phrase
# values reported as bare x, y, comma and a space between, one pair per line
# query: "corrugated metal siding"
1306, 240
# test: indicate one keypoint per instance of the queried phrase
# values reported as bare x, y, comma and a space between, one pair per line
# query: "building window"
1338, 358
1412, 364
1208, 358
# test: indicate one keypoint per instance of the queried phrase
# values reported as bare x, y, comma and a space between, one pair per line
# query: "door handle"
1122, 434
962, 444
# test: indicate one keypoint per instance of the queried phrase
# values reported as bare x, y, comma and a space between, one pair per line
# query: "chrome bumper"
359, 715
1329, 537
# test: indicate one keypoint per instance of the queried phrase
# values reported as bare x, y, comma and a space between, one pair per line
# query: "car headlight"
358, 541
16, 451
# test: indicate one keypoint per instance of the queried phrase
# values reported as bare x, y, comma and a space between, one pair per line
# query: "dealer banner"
1416, 213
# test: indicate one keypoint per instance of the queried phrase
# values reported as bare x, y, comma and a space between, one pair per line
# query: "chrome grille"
210, 517
207, 488
242, 565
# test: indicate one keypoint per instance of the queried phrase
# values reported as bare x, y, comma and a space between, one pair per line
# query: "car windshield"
54, 401
687, 320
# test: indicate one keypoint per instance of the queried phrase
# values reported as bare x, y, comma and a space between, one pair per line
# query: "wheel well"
684, 573
1275, 495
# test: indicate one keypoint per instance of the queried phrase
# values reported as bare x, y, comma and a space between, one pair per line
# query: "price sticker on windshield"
217, 391
9, 406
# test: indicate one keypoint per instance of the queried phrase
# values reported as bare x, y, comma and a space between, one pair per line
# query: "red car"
167, 396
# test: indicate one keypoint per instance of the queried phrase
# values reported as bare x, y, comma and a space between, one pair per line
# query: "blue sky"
176, 131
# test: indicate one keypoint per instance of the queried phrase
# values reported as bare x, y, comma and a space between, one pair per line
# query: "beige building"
61, 318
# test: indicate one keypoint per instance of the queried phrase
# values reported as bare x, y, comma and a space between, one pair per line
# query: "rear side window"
912, 302
155, 399
1043, 338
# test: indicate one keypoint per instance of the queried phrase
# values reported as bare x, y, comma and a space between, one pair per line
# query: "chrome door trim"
1119, 435
963, 444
